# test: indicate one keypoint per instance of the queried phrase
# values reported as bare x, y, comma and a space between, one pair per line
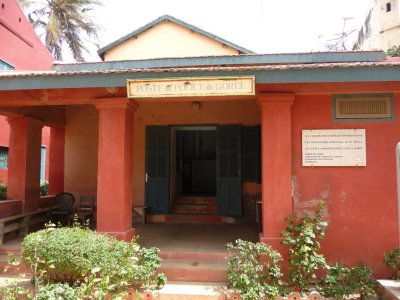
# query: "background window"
3, 158
43, 163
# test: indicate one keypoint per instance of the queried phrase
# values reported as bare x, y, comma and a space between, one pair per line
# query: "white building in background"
381, 28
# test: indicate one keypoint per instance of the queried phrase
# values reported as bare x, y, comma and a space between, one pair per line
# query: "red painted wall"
361, 203
4, 134
23, 50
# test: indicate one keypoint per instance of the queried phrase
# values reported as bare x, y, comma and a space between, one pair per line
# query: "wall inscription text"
334, 147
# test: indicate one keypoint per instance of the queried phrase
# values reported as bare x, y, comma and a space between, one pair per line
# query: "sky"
263, 26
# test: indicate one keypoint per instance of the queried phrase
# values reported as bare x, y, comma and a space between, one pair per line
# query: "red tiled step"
194, 209
201, 256
198, 219
194, 270
208, 200
13, 270
4, 250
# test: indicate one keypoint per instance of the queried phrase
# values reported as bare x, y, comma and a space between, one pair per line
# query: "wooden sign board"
191, 87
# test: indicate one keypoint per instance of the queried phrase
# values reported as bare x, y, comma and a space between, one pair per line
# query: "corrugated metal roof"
15, 74
228, 60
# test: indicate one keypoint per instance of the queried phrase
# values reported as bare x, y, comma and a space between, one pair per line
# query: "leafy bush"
44, 187
254, 269
392, 260
74, 254
302, 238
3, 191
341, 282
363, 281
337, 282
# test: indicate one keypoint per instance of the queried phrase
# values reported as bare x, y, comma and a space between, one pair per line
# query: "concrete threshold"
193, 291
390, 289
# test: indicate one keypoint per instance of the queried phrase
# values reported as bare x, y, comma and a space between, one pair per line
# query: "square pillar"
114, 181
24, 161
276, 145
56, 160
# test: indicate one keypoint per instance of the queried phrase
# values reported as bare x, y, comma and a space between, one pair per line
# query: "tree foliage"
63, 23
393, 51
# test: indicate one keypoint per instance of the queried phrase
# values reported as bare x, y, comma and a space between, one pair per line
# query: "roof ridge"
170, 18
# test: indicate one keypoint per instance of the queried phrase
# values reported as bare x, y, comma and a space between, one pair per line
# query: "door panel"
229, 181
157, 169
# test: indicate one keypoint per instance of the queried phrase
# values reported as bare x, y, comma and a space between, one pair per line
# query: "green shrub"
302, 238
70, 254
3, 191
392, 260
254, 269
44, 187
362, 280
341, 282
337, 282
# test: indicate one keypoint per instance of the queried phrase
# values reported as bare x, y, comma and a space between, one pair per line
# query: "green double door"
228, 169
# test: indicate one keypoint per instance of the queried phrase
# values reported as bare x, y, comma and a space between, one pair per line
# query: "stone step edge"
202, 256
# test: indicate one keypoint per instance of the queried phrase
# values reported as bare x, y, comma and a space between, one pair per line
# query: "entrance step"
194, 266
194, 209
6, 268
204, 200
194, 219
4, 250
186, 218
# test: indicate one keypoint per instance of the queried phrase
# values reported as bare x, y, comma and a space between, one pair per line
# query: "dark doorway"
195, 161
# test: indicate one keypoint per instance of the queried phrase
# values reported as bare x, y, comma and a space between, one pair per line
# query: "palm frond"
66, 23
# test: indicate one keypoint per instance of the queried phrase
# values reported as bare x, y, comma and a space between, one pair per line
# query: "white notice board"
334, 147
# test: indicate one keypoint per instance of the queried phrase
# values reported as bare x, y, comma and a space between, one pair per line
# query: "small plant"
3, 191
254, 269
302, 238
44, 187
362, 280
341, 282
57, 291
337, 282
392, 260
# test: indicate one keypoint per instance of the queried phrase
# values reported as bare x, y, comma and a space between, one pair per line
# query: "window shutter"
251, 150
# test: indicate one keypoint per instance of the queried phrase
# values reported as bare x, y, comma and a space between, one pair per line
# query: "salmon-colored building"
21, 50
228, 128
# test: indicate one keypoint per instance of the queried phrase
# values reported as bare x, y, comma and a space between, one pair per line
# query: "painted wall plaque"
334, 147
186, 87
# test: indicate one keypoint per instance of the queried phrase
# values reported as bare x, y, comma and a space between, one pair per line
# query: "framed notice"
334, 147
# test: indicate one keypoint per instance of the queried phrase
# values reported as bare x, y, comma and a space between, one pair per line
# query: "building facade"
22, 46
381, 28
291, 130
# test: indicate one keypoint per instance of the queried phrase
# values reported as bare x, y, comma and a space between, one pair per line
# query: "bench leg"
144, 210
24, 227
1, 233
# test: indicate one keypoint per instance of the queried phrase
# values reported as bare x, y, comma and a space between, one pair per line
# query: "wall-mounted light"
196, 105
112, 89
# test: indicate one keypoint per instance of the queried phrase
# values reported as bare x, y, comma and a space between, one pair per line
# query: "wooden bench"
21, 222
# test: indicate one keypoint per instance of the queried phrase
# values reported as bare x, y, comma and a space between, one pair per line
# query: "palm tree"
63, 22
